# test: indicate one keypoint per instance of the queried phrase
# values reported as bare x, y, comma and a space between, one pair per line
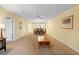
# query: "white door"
9, 30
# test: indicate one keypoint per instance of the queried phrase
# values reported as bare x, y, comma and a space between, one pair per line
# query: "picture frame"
20, 25
67, 22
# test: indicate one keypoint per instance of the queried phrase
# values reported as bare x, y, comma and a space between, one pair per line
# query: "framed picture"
67, 22
20, 25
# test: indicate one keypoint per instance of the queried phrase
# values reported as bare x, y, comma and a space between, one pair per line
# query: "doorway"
10, 29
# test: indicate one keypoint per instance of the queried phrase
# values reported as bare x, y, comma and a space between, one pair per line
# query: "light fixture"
2, 26
39, 17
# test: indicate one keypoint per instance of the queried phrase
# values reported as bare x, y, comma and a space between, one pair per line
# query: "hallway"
28, 45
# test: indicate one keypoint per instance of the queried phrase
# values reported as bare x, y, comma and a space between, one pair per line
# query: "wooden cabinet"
3, 44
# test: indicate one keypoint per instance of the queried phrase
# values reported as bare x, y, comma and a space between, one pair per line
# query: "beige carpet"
28, 45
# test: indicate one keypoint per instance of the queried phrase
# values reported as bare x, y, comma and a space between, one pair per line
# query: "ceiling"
30, 11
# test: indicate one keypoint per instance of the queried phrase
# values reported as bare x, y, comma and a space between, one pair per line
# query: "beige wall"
70, 37
23, 31
18, 33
